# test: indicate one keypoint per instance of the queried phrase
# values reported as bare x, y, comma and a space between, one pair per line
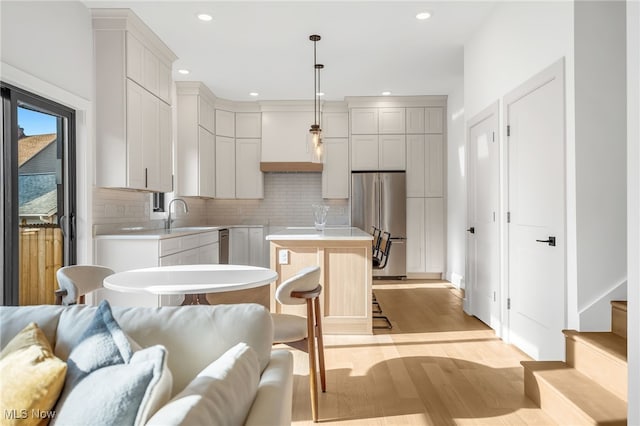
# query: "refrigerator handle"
380, 201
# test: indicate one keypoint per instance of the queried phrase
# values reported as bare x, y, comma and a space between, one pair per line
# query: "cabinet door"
239, 246
415, 165
364, 121
206, 114
248, 125
151, 72
165, 148
256, 247
391, 121
433, 119
208, 254
225, 167
434, 234
335, 173
249, 181
206, 163
225, 123
151, 141
392, 152
135, 59
364, 152
415, 120
434, 161
415, 235
335, 124
164, 82
135, 147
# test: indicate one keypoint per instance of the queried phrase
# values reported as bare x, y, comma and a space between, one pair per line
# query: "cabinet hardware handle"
472, 230
146, 180
551, 241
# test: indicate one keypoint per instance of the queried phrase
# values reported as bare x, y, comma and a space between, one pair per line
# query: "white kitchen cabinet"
335, 174
206, 110
225, 167
434, 120
425, 166
123, 253
364, 152
414, 120
239, 246
391, 121
133, 119
364, 121
247, 246
249, 178
335, 124
195, 143
147, 69
225, 123
392, 152
248, 125
425, 235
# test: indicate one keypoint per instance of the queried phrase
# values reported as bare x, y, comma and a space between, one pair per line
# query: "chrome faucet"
169, 221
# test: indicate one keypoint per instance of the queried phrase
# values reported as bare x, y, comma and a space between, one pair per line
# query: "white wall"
600, 120
516, 42
456, 187
47, 49
633, 207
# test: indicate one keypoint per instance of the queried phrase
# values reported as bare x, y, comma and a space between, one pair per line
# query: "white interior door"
534, 114
483, 195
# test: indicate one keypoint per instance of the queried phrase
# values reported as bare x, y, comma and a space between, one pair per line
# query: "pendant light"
316, 130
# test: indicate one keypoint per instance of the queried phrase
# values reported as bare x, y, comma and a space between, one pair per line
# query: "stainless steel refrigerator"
379, 199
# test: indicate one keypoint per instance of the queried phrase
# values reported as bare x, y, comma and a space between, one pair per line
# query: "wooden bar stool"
293, 330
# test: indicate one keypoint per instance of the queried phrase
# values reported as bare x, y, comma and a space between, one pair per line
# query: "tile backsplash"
288, 198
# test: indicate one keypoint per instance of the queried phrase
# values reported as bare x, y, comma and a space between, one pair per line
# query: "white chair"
77, 280
304, 287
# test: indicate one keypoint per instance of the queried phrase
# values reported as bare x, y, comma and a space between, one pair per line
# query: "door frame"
11, 95
554, 71
492, 109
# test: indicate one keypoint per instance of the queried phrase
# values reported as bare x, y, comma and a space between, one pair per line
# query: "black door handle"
472, 230
551, 241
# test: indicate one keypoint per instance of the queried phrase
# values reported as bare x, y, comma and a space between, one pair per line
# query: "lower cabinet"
247, 246
425, 235
126, 253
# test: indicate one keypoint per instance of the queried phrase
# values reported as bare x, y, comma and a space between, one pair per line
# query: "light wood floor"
437, 366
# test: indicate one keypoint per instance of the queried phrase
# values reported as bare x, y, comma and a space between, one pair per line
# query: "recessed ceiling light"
204, 17
254, 94
423, 15
386, 93
183, 71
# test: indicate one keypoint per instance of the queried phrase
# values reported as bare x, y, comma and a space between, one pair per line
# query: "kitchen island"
344, 257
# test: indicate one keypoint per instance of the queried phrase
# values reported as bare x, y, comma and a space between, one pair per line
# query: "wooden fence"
41, 255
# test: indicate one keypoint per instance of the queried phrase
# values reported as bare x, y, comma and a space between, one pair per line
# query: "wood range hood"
289, 166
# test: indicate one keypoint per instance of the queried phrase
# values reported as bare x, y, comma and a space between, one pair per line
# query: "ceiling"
367, 47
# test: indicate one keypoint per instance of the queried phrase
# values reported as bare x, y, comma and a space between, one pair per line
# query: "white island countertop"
329, 233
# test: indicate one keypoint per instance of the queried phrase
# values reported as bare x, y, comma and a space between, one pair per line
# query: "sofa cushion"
221, 394
31, 377
15, 318
125, 387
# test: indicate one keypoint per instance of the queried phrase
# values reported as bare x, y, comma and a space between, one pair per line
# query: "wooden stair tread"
592, 399
606, 342
619, 304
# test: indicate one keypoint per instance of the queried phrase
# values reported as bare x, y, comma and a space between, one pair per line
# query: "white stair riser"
607, 371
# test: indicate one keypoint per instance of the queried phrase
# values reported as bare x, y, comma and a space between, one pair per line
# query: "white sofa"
194, 336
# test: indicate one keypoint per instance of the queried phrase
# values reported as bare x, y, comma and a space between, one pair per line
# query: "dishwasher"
223, 238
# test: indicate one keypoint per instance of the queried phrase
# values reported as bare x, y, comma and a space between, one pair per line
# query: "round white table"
191, 280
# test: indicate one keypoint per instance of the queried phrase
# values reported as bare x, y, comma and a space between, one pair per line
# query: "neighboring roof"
29, 146
45, 205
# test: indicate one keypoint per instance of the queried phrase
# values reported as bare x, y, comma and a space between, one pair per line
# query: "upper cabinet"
249, 178
391, 121
133, 103
225, 123
335, 171
195, 143
364, 121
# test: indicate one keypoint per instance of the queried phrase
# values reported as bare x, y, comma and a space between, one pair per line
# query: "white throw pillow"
221, 394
